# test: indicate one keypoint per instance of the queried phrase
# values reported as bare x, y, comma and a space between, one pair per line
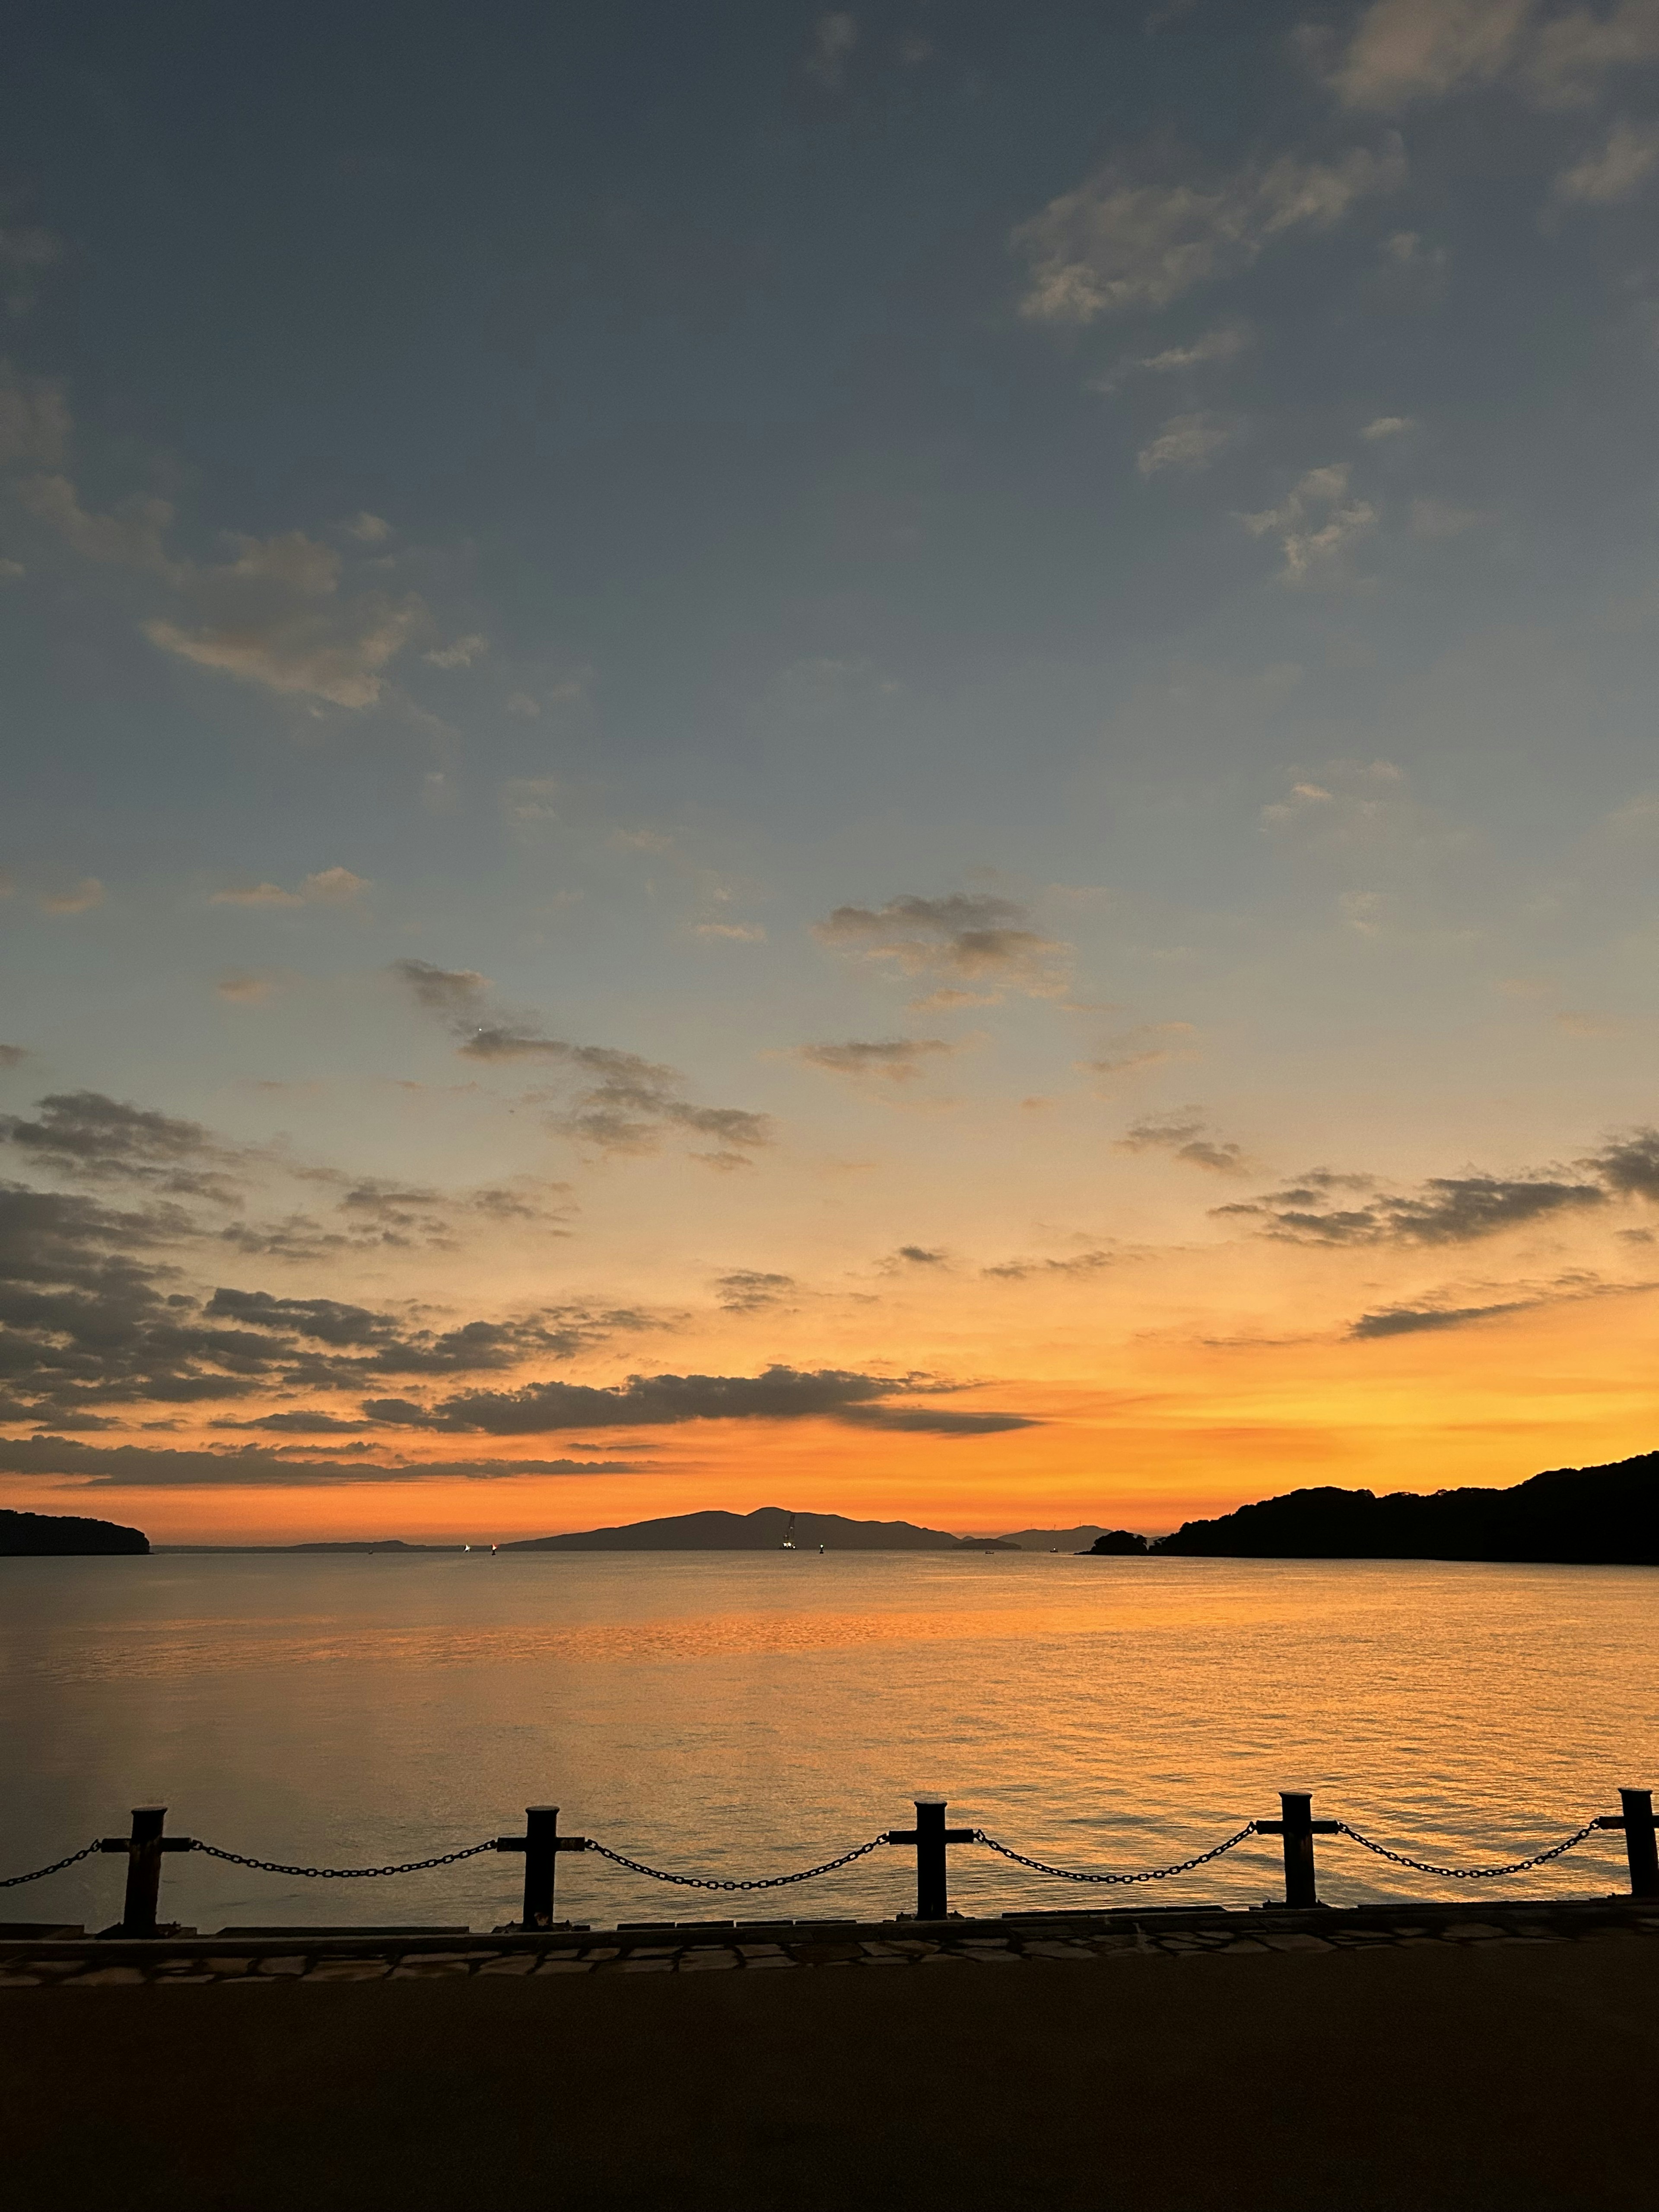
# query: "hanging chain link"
16, 1881
1116, 1881
344, 1874
1467, 1874
706, 1882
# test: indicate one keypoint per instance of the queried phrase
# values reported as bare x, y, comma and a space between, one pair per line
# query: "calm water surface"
744, 1713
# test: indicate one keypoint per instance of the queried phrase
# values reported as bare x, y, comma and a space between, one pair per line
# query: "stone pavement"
703, 1946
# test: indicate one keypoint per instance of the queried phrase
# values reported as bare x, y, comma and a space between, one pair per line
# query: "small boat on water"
788, 1544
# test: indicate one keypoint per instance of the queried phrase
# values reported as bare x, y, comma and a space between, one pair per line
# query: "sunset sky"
899, 761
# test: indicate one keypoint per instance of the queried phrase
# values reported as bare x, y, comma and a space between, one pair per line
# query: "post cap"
927, 1797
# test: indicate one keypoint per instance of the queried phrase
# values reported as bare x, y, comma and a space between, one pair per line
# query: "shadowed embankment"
1429, 2080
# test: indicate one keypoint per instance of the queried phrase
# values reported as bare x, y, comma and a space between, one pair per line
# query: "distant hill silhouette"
762, 1531
1055, 1540
1571, 1516
61, 1535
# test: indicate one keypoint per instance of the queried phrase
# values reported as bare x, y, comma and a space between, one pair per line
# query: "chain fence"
16, 1881
344, 1874
708, 1881
848, 1858
1116, 1881
1468, 1874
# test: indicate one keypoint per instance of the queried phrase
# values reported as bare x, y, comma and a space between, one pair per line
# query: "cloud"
834, 38
1349, 1210
1625, 160
1316, 524
748, 1290
78, 898
970, 936
275, 615
130, 536
1630, 1164
1356, 806
256, 1466
85, 1133
896, 1060
13, 1055
245, 989
368, 529
736, 933
1185, 442
1407, 1321
1225, 343
328, 887
1388, 426
1403, 50
461, 654
34, 420
1115, 246
621, 1103
917, 1255
95, 1312
1152, 1045
1076, 1267
780, 1394
1184, 1135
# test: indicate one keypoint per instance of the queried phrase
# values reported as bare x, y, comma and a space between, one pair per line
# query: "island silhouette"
1570, 1516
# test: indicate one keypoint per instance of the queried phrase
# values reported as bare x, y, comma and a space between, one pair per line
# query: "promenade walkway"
1404, 2059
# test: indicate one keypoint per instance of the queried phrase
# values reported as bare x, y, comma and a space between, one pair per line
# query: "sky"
898, 760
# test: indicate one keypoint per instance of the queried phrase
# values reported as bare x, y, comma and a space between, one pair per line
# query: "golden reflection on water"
739, 1714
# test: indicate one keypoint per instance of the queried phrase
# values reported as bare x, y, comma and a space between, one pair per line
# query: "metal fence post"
143, 1848
930, 1836
1298, 1828
541, 1843
1641, 1845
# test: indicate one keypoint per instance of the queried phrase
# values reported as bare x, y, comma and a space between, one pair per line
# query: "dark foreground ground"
1442, 2071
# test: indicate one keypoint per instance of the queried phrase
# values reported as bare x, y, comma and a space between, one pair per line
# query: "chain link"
344, 1874
706, 1882
16, 1881
1116, 1881
1467, 1874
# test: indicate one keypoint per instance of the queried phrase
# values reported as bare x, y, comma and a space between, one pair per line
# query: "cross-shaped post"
541, 1842
1641, 1843
930, 1836
1298, 1828
143, 1848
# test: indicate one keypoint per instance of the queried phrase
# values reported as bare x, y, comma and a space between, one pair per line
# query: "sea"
736, 1716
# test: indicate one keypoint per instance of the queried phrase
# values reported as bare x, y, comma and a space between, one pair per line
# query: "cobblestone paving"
340, 1956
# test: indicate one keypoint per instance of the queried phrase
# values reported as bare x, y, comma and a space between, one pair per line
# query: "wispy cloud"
751, 1289
622, 1103
1329, 1209
1185, 1135
1316, 524
1616, 170
893, 1060
258, 1467
970, 936
1405, 50
1116, 245
835, 38
73, 898
328, 887
781, 1394
1185, 443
